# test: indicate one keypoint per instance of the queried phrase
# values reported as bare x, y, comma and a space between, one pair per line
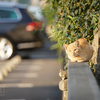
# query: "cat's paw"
73, 61
80, 61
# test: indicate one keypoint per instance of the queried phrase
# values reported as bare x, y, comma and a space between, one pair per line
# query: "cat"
79, 51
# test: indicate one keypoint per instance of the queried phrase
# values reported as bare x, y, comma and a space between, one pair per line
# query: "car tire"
6, 48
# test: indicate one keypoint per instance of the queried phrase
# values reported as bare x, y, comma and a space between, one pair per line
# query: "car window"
7, 14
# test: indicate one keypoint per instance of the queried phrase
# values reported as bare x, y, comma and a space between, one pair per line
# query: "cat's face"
73, 50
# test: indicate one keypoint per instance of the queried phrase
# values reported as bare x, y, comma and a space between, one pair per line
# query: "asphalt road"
35, 78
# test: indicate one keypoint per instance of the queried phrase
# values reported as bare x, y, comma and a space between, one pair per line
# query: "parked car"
15, 24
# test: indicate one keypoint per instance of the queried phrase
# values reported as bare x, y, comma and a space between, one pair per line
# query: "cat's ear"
65, 46
77, 43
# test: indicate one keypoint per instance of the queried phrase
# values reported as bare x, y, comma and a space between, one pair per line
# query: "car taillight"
33, 26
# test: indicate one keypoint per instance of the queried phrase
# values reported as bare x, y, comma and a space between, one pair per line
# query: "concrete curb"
4, 70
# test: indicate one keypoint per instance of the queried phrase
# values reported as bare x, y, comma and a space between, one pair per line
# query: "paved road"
44, 52
35, 78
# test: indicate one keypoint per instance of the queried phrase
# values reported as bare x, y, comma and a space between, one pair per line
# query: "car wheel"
6, 48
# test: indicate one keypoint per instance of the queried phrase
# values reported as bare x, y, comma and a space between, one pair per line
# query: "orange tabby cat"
79, 51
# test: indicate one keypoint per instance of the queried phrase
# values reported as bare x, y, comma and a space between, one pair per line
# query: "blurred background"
24, 31
24, 24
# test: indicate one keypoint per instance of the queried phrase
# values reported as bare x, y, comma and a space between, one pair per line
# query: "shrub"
48, 13
74, 19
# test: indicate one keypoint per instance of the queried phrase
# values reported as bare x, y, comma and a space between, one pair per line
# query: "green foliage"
48, 13
74, 19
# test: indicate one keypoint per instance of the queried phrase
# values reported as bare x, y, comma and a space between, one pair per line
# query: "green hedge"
74, 19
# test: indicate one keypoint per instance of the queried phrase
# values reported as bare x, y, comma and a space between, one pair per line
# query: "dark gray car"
13, 35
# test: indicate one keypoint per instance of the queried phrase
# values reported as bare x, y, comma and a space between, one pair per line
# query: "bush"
48, 13
74, 19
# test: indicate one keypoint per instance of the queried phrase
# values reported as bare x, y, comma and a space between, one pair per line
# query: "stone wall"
63, 84
96, 55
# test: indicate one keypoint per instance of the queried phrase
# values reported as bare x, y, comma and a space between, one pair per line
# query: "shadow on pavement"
35, 93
